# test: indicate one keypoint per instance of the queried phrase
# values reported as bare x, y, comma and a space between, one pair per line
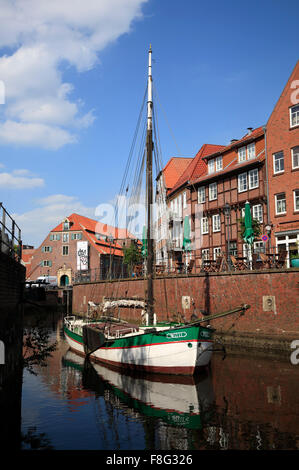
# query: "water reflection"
248, 403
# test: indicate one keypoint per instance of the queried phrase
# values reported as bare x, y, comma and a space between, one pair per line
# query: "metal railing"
10, 235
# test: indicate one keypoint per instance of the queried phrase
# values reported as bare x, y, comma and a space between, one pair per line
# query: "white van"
48, 280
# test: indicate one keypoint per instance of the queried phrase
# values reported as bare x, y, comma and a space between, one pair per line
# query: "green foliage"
132, 255
256, 226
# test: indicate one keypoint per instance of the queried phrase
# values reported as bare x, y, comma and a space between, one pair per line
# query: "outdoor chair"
281, 260
266, 263
239, 265
190, 266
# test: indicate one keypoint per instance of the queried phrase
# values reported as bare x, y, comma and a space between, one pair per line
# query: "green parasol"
187, 235
248, 234
144, 243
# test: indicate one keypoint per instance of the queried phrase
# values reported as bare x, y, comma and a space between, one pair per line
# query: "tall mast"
149, 193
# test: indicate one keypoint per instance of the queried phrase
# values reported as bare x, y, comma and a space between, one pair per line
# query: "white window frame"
47, 263
276, 172
201, 192
205, 253
296, 116
294, 167
184, 199
257, 212
216, 223
280, 212
47, 249
212, 192
252, 185
296, 197
259, 247
211, 166
251, 151
218, 163
242, 154
216, 252
239, 185
204, 225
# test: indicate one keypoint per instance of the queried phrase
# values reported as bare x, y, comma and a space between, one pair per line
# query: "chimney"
249, 130
233, 140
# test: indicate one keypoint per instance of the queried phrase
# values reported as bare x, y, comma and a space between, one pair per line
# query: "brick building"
262, 167
283, 166
80, 244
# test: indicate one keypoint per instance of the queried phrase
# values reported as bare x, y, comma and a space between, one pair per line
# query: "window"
294, 116
253, 178
296, 200
204, 225
65, 237
78, 236
65, 250
295, 157
216, 223
55, 236
259, 247
211, 166
257, 213
217, 252
280, 203
205, 253
251, 151
278, 162
218, 163
242, 182
242, 154
184, 199
66, 225
233, 248
201, 195
212, 191
47, 249
46, 263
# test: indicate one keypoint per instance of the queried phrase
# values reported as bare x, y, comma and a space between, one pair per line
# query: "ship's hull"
177, 351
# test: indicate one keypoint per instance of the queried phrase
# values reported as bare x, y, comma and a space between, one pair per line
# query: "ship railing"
10, 235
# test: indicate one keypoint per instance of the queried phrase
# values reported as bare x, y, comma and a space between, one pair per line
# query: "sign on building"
82, 256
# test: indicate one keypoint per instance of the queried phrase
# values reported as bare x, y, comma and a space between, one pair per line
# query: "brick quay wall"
273, 296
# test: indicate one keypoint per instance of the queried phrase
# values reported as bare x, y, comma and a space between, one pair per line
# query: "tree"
132, 256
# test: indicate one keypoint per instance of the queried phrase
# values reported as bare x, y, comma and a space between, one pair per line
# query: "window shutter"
43, 249
51, 237
73, 236
50, 248
41, 263
50, 264
80, 236
58, 236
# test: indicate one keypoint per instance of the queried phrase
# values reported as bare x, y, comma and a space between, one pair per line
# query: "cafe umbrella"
248, 234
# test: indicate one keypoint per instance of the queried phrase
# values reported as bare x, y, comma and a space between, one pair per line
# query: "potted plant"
294, 257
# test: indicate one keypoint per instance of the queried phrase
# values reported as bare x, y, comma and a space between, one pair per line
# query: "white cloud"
50, 211
42, 35
20, 179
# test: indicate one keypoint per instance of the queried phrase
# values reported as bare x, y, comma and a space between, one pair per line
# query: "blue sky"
75, 75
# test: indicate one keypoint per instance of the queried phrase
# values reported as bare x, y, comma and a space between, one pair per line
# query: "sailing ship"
168, 348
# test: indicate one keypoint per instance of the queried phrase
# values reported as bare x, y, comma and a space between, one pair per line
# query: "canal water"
242, 402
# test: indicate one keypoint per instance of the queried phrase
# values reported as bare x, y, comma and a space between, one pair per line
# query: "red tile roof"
259, 131
90, 227
174, 169
197, 165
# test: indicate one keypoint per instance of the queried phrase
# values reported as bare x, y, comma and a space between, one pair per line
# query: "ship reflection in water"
242, 402
177, 401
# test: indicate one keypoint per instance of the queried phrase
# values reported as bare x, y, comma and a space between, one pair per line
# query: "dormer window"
219, 163
211, 166
66, 224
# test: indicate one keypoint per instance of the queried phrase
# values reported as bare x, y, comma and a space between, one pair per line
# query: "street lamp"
110, 240
227, 211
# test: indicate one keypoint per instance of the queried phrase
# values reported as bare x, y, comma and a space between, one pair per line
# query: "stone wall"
272, 295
